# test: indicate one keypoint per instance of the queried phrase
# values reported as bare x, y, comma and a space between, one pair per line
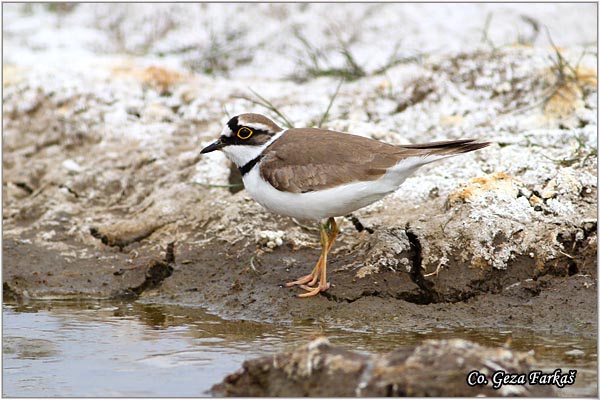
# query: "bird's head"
244, 137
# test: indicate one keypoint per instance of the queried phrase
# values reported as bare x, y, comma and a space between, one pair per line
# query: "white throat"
240, 155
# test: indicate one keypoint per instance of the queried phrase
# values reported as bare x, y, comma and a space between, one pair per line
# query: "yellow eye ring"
244, 132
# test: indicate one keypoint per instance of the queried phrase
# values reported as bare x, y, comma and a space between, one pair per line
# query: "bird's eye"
244, 133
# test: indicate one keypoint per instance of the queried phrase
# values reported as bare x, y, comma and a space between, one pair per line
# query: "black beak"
217, 145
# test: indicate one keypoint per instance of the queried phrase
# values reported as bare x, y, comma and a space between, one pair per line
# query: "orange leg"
332, 230
329, 232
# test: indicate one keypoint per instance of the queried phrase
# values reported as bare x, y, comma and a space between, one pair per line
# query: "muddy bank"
240, 284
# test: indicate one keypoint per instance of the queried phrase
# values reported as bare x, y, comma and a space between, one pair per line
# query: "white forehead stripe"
256, 125
226, 131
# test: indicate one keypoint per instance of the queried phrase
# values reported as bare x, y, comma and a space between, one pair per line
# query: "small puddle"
81, 349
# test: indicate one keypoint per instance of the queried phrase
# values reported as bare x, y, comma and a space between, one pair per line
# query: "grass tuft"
325, 116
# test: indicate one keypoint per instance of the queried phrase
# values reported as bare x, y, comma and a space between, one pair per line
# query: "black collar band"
250, 164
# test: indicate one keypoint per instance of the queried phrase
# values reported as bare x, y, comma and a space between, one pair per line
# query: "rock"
433, 368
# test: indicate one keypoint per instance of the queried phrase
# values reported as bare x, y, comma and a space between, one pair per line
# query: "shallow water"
79, 349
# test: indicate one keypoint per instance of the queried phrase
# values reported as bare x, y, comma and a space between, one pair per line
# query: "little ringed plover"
318, 174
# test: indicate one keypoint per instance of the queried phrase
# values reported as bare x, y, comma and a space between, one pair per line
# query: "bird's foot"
313, 291
309, 279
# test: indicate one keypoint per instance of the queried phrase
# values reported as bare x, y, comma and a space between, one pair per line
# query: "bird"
319, 174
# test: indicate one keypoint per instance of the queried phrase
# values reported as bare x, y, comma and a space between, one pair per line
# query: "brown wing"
305, 160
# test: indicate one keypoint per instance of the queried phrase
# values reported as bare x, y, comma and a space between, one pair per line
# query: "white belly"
333, 202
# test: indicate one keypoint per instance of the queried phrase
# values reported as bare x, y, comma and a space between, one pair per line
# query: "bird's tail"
448, 147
